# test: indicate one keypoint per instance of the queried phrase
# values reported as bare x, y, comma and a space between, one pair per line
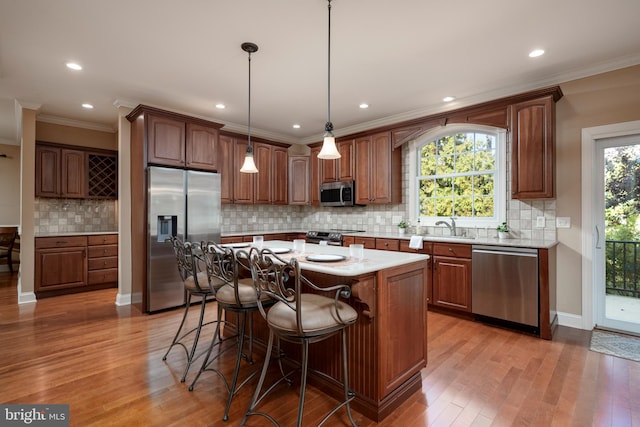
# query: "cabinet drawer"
60, 242
103, 251
103, 239
102, 263
388, 244
103, 276
368, 242
427, 247
452, 249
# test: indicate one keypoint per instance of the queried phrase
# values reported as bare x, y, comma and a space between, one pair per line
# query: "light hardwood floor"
106, 363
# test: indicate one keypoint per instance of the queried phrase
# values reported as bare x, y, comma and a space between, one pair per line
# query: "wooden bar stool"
301, 318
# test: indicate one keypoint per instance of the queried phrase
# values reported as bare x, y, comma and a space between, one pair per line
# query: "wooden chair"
7, 240
299, 317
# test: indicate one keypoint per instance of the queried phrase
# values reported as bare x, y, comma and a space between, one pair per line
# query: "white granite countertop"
494, 241
374, 260
75, 233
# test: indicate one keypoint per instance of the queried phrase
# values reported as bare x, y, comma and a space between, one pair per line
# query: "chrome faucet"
451, 227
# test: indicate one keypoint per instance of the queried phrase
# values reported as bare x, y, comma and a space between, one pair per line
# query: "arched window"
460, 172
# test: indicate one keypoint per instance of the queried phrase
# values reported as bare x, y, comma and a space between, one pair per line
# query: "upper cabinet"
237, 187
378, 170
341, 169
268, 186
315, 172
299, 176
65, 172
176, 140
271, 179
532, 148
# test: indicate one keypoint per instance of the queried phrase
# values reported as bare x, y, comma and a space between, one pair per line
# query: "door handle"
598, 238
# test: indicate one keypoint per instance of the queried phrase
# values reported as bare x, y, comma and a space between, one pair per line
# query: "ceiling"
401, 57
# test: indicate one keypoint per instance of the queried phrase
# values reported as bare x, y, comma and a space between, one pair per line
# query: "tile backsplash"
74, 215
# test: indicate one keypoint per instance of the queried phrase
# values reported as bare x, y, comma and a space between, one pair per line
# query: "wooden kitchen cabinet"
271, 180
452, 276
60, 172
299, 184
102, 259
175, 140
67, 264
341, 169
61, 263
532, 149
388, 244
367, 242
236, 187
378, 170
315, 180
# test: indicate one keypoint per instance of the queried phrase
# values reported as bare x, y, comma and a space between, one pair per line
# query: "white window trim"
501, 174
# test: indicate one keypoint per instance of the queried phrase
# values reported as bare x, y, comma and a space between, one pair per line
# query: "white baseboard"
123, 299
570, 320
26, 297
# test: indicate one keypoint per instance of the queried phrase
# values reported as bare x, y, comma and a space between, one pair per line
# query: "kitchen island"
388, 344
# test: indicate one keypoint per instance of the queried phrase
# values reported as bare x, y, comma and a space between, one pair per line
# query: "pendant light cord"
329, 125
249, 118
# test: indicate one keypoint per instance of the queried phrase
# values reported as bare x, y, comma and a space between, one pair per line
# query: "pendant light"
329, 150
249, 165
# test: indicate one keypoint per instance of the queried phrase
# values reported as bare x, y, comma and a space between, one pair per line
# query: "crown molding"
74, 123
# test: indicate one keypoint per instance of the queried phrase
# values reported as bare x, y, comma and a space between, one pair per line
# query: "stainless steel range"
330, 237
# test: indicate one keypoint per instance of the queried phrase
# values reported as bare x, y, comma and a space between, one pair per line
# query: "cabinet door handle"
61, 242
84, 253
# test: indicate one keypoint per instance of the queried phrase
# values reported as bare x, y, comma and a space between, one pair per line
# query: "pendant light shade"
329, 149
249, 165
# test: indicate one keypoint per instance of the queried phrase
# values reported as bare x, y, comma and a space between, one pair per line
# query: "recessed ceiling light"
87, 106
74, 66
296, 126
221, 106
448, 98
364, 105
536, 52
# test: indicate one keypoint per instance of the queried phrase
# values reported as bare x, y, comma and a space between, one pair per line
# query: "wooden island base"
387, 346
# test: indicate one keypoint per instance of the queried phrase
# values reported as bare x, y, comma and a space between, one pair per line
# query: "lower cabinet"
68, 264
61, 263
452, 276
103, 259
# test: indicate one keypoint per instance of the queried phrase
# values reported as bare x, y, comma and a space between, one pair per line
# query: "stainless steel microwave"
340, 193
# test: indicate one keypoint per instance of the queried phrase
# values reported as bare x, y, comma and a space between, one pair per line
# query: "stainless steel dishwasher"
504, 284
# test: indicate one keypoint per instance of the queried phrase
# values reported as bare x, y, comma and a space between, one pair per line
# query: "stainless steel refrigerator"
185, 204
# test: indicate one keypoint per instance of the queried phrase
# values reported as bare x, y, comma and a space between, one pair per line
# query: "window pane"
444, 187
428, 166
485, 160
464, 207
463, 185
427, 187
444, 207
483, 184
483, 206
444, 165
464, 162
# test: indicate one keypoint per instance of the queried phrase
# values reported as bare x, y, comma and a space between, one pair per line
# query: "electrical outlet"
78, 219
540, 222
563, 222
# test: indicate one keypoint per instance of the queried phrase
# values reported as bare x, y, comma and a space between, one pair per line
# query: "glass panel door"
617, 248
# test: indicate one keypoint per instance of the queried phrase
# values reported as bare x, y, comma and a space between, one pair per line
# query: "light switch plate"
540, 222
563, 222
